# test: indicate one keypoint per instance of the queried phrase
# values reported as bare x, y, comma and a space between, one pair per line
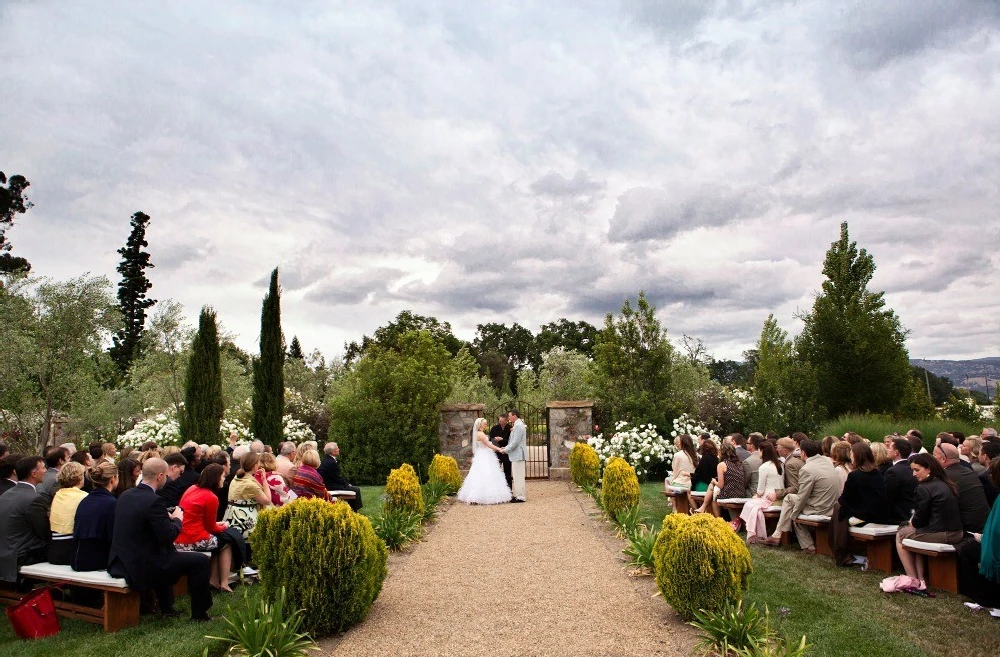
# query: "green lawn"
652, 505
371, 496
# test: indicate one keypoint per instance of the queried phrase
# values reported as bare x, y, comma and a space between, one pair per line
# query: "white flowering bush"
964, 409
689, 425
641, 446
296, 431
162, 428
230, 424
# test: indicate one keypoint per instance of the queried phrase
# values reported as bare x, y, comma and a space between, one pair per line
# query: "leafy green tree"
389, 336
916, 405
269, 370
854, 342
203, 407
566, 375
500, 373
468, 386
386, 410
12, 203
577, 336
941, 387
157, 376
516, 344
132, 294
729, 372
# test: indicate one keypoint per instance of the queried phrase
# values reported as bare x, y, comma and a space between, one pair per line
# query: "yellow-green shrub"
444, 469
620, 488
584, 465
326, 556
700, 563
402, 490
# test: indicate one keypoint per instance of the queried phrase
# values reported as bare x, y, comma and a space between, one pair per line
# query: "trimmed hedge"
700, 563
444, 469
584, 465
402, 490
620, 488
331, 556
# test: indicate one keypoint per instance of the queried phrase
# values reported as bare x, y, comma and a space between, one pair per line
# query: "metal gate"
536, 421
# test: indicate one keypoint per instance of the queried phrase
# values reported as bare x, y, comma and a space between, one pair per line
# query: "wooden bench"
679, 496
880, 544
342, 494
942, 563
820, 526
771, 514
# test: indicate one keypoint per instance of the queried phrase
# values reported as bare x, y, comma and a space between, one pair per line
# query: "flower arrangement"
640, 446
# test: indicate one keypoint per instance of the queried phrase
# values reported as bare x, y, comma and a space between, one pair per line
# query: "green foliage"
700, 563
565, 375
595, 494
468, 386
269, 370
444, 471
433, 492
876, 427
385, 411
397, 527
962, 409
628, 521
584, 465
12, 202
941, 387
265, 630
203, 407
392, 336
915, 403
855, 344
516, 344
295, 349
337, 561
402, 490
744, 631
132, 290
619, 488
570, 336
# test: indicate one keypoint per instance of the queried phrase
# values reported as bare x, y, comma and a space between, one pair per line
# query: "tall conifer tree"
203, 406
268, 370
132, 293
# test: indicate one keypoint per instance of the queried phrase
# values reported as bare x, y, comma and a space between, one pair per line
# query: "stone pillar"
569, 421
456, 431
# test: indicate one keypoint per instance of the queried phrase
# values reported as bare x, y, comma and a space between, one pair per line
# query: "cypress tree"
268, 370
132, 293
295, 349
203, 406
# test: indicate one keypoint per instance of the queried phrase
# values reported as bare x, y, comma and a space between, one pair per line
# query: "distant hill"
969, 374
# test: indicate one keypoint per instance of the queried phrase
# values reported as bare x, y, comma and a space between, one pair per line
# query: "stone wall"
456, 431
569, 421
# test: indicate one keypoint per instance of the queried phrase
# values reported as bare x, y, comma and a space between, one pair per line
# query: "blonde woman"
281, 493
246, 497
485, 483
881, 453
63, 512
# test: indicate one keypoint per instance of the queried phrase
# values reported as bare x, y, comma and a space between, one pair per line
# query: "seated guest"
819, 488
284, 459
916, 443
142, 548
84, 458
108, 452
96, 450
63, 512
900, 484
308, 482
863, 498
881, 453
827, 446
969, 451
24, 520
128, 475
989, 558
936, 516
740, 443
94, 524
791, 464
684, 462
8, 476
852, 438
55, 459
971, 499
199, 530
332, 480
222, 458
751, 465
281, 491
246, 496
705, 471
184, 476
988, 453
727, 483
769, 480
840, 454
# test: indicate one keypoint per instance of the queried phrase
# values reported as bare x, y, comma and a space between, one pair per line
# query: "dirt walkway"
540, 578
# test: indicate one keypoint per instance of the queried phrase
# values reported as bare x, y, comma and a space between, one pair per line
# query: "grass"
371, 496
877, 427
652, 505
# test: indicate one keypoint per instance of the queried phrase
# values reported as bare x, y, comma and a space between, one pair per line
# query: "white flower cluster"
296, 431
689, 425
230, 424
739, 397
161, 428
640, 446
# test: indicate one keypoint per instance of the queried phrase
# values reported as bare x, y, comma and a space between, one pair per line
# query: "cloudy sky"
516, 161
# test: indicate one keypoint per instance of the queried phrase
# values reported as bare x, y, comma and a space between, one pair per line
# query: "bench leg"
681, 505
942, 571
880, 555
121, 610
823, 540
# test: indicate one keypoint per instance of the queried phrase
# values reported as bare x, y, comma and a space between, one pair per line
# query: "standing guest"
881, 453
285, 451
792, 464
329, 470
819, 488
863, 498
936, 516
24, 520
751, 466
500, 436
142, 548
684, 462
8, 475
199, 530
769, 481
55, 459
84, 458
308, 482
900, 484
972, 504
63, 512
840, 454
281, 492
247, 497
128, 475
94, 524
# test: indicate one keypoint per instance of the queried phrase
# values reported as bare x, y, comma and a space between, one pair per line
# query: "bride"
485, 483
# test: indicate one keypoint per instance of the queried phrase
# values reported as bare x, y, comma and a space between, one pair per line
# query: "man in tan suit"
819, 488
792, 465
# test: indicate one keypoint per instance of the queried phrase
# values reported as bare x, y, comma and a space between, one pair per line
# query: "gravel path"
540, 578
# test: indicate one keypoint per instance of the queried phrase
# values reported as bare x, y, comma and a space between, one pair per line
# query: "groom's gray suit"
517, 450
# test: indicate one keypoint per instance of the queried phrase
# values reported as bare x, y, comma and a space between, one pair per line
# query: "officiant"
499, 435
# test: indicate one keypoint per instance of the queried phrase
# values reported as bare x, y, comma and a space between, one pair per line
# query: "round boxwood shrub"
620, 489
326, 556
700, 563
402, 490
444, 470
584, 465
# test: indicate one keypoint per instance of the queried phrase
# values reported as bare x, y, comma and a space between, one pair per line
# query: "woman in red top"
199, 529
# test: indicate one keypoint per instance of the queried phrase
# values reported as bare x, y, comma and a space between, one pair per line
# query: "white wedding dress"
485, 483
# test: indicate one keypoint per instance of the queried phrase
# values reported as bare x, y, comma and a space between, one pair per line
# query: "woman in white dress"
485, 483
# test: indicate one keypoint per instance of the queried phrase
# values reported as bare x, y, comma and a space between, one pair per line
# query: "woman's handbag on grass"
34, 616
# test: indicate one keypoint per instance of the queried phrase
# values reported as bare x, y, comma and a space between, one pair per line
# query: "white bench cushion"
812, 518
874, 529
735, 500
65, 573
930, 547
342, 493
676, 490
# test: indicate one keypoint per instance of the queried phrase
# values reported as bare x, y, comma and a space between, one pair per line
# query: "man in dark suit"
900, 484
180, 477
500, 436
142, 548
971, 499
24, 520
329, 469
8, 476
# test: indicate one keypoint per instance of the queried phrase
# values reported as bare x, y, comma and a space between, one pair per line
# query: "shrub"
337, 562
397, 527
402, 490
584, 465
433, 492
620, 490
444, 469
744, 631
700, 563
265, 629
641, 447
876, 427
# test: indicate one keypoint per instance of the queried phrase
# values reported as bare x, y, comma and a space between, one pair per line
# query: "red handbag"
34, 616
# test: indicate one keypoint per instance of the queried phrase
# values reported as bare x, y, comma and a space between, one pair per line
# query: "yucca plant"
397, 527
433, 492
263, 630
744, 631
628, 522
640, 549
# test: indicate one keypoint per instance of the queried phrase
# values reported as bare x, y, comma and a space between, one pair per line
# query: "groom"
516, 449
